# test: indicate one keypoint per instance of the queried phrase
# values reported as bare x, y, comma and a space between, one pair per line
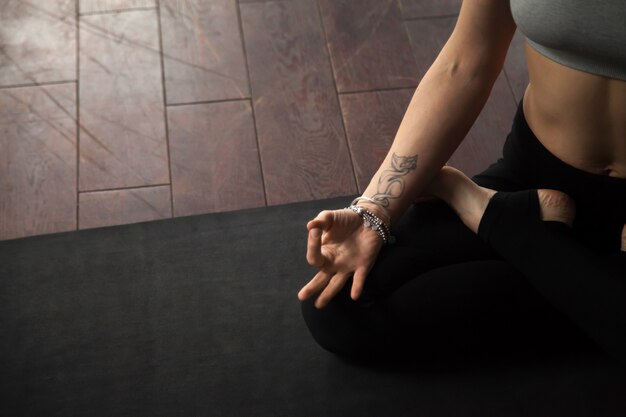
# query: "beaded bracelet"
373, 221
371, 200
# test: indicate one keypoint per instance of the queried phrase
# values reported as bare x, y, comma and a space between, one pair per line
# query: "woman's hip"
526, 163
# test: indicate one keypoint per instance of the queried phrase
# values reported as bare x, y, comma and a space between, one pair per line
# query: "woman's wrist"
376, 210
374, 222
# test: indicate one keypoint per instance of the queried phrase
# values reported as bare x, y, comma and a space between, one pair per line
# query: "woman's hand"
341, 247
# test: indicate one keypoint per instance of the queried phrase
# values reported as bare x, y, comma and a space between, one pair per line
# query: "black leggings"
519, 283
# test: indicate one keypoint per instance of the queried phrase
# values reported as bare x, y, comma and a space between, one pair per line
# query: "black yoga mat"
198, 316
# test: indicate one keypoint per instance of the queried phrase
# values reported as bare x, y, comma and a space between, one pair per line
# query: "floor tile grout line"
375, 90
36, 84
508, 83
130, 9
332, 72
167, 129
191, 103
439, 16
77, 92
254, 124
133, 187
401, 8
412, 46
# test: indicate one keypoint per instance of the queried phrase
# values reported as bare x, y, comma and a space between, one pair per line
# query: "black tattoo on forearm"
391, 181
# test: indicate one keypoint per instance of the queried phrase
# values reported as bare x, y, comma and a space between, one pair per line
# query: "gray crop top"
588, 35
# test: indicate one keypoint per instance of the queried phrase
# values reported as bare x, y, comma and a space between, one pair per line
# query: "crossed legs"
444, 289
532, 231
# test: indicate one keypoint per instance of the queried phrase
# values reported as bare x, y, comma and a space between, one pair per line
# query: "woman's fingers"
358, 281
314, 248
334, 286
324, 257
323, 221
319, 281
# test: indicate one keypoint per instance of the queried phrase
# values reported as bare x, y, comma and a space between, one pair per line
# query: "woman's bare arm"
445, 104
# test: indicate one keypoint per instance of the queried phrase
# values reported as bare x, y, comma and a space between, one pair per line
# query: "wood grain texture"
483, 143
372, 120
37, 160
214, 157
95, 6
122, 135
515, 66
303, 148
368, 45
429, 8
37, 41
110, 208
203, 51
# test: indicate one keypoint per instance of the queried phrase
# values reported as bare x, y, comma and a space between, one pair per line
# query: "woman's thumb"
324, 221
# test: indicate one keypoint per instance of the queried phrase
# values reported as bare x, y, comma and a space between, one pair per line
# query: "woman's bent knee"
342, 327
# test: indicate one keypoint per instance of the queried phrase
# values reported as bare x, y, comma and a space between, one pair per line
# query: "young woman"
533, 249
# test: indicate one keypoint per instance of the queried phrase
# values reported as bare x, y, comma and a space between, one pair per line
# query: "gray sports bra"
588, 35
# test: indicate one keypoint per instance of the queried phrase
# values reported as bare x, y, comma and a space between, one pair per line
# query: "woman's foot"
469, 200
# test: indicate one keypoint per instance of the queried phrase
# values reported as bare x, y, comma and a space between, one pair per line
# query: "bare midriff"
579, 117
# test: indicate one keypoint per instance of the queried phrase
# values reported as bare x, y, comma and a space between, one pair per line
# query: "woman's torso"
577, 115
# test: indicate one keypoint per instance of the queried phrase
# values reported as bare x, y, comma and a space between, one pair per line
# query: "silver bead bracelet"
371, 200
373, 221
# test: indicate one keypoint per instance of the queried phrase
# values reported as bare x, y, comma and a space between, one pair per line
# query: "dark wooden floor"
119, 111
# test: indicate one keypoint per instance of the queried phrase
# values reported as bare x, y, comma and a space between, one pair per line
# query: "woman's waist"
600, 199
589, 135
578, 116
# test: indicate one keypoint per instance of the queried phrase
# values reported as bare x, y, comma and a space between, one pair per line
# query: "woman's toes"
557, 206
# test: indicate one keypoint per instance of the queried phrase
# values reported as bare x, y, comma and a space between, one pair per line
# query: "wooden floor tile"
368, 44
110, 208
214, 157
37, 160
96, 6
122, 135
483, 144
37, 41
372, 120
515, 66
303, 147
203, 51
429, 8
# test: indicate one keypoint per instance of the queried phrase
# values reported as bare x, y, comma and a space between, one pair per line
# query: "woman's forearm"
443, 108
